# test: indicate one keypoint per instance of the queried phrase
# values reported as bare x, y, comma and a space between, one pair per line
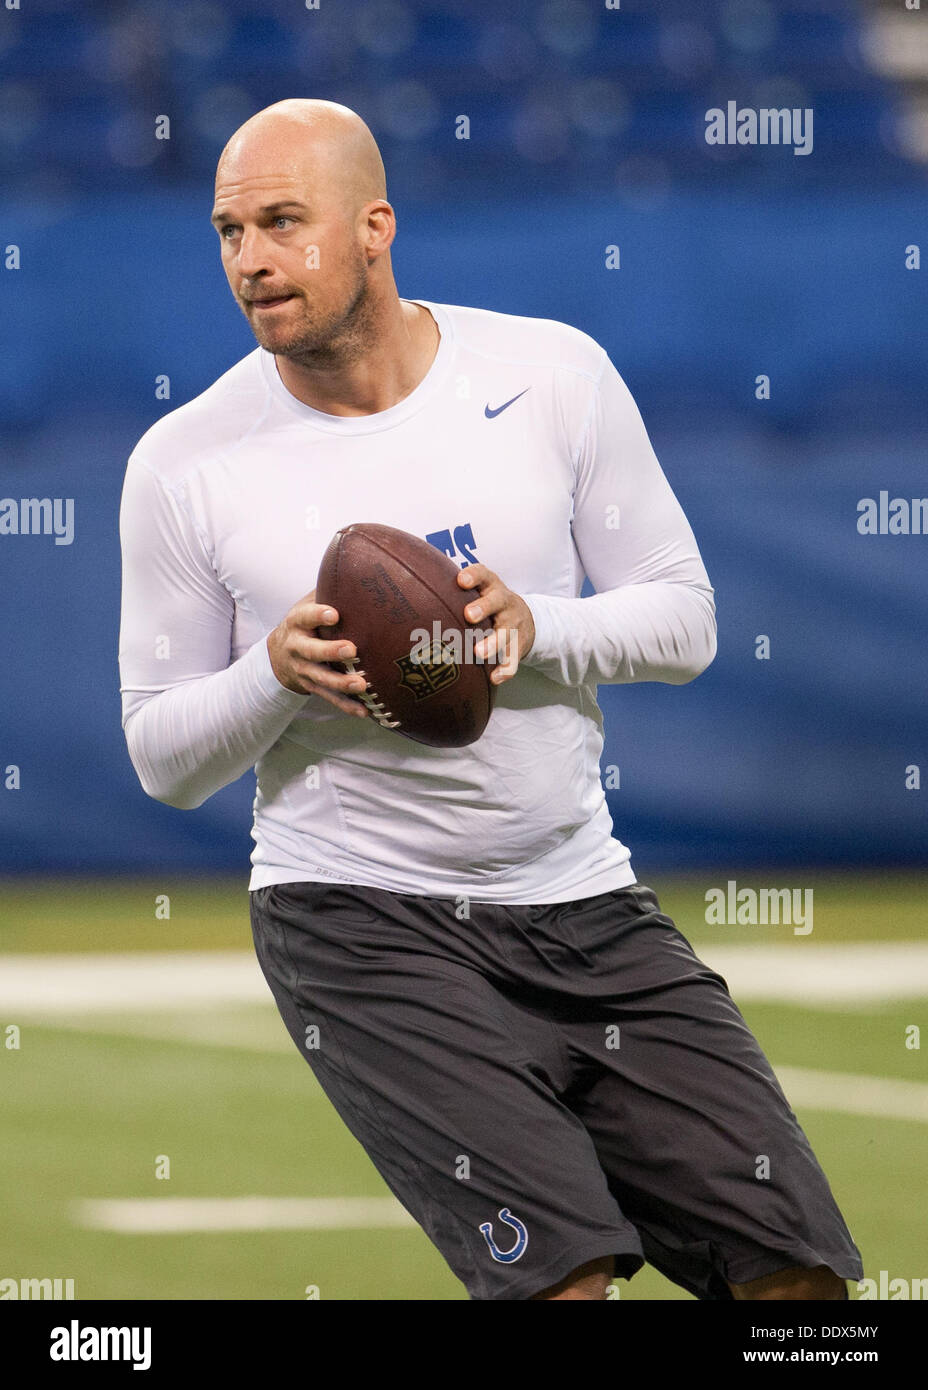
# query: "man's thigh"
697, 1139
451, 1088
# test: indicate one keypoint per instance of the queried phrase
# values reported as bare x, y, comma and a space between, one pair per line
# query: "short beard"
341, 341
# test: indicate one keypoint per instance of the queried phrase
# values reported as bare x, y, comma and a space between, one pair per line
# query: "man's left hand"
514, 630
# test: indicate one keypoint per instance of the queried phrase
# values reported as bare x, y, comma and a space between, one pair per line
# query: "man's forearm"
187, 742
659, 631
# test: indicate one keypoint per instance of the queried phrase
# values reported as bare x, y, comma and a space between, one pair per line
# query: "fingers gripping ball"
399, 602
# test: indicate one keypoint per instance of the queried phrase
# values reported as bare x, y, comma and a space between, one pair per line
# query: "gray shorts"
541, 1086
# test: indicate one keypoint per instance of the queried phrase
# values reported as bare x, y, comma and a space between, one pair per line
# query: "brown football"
387, 586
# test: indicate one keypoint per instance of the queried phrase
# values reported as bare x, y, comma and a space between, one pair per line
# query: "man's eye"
229, 227
282, 219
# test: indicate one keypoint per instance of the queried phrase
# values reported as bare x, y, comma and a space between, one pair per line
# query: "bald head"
320, 144
305, 230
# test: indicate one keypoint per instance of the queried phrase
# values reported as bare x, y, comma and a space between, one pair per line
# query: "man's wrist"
542, 628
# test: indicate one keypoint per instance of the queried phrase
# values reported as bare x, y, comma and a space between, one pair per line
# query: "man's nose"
252, 254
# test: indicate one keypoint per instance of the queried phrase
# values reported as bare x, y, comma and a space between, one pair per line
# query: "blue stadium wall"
799, 758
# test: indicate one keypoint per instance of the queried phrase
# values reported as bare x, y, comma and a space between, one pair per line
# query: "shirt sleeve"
652, 617
193, 722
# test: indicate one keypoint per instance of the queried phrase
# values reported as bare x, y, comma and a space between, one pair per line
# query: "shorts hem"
629, 1254
803, 1256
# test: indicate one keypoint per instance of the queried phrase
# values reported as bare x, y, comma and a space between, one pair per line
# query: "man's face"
292, 255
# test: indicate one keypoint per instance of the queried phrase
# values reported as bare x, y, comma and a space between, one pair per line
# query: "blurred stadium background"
142, 1034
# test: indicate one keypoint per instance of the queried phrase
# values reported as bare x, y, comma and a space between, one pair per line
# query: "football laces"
371, 699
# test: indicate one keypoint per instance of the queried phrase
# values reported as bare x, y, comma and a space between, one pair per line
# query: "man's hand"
297, 655
514, 630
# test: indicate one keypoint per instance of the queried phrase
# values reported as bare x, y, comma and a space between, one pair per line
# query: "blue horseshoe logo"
506, 1257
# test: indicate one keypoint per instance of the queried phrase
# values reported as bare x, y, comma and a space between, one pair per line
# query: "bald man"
543, 1071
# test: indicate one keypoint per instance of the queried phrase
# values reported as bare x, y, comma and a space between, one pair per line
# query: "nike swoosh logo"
492, 414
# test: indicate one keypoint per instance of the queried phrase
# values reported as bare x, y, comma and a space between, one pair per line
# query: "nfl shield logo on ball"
425, 678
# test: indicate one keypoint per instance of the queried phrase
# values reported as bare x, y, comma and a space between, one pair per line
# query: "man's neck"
382, 377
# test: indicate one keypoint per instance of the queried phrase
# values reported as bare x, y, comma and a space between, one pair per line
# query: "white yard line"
879, 1096
826, 975
187, 997
141, 980
251, 1030
817, 1090
799, 971
844, 1092
175, 1215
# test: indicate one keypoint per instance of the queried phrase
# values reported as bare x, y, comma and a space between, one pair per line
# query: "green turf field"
92, 1097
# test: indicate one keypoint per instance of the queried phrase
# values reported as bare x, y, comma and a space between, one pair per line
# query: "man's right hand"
298, 655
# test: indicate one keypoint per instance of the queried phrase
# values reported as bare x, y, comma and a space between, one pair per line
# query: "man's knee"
589, 1281
820, 1283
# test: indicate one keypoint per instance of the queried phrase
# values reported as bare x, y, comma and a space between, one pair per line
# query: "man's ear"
378, 227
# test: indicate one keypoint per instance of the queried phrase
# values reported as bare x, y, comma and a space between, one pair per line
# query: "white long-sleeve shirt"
521, 449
